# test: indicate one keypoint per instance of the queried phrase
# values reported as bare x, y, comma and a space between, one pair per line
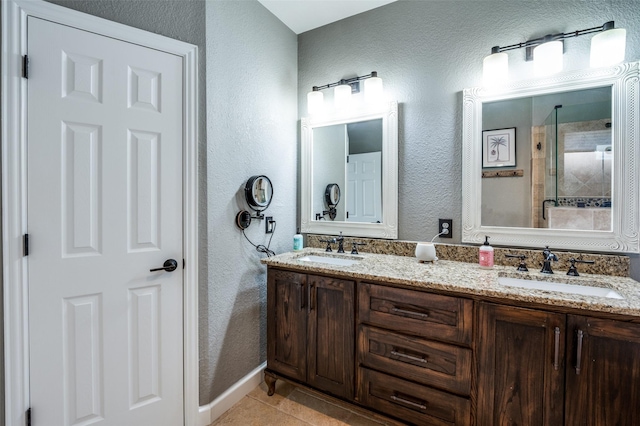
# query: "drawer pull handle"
556, 354
410, 403
412, 358
405, 312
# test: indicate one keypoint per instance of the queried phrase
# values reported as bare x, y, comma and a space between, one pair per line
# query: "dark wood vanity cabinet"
542, 368
431, 359
310, 330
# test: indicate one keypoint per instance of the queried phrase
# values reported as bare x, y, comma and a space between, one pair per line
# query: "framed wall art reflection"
499, 148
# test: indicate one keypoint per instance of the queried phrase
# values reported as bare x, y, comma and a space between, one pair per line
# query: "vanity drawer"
418, 313
411, 402
435, 364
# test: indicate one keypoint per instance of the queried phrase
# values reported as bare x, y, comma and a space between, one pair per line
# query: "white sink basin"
584, 290
336, 261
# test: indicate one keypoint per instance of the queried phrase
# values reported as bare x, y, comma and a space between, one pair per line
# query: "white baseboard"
209, 413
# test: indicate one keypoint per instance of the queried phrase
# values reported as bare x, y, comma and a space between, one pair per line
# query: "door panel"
520, 378
144, 190
81, 197
603, 375
331, 335
287, 324
82, 351
104, 207
364, 187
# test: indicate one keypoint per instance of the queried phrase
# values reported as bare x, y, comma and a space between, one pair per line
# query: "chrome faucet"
548, 258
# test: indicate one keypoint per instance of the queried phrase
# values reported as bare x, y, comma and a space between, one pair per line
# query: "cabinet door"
331, 332
520, 366
603, 375
287, 323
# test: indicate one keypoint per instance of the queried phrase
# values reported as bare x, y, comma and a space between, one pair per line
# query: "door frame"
14, 193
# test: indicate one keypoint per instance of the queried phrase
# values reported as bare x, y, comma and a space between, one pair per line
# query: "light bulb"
315, 101
373, 90
495, 68
342, 96
607, 47
547, 58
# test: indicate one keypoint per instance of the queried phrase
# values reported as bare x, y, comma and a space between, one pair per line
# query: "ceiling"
305, 15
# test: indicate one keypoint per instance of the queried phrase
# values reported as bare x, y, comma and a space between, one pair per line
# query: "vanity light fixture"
607, 48
343, 90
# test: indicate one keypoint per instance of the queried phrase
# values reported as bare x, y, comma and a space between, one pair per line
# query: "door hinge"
184, 264
347, 159
25, 244
25, 66
27, 417
347, 215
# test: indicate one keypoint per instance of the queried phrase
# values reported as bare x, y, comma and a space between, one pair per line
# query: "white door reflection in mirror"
364, 187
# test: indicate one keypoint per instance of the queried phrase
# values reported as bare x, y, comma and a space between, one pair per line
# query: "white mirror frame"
624, 81
389, 227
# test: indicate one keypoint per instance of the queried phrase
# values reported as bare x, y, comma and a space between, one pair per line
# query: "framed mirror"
554, 162
358, 154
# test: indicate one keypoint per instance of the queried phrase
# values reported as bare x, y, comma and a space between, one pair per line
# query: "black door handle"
169, 265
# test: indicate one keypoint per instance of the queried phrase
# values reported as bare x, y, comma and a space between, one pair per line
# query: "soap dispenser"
297, 241
486, 254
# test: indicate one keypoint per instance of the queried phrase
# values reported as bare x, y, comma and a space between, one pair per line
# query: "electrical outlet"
268, 224
445, 227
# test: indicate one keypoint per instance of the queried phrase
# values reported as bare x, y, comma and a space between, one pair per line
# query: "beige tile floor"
294, 406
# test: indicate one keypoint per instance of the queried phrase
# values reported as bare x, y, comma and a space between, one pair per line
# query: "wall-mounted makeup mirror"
331, 199
258, 192
554, 162
359, 154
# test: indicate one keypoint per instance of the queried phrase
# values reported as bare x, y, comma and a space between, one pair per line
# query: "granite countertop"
469, 279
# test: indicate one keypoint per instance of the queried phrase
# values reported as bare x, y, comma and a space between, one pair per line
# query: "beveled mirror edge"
388, 229
624, 236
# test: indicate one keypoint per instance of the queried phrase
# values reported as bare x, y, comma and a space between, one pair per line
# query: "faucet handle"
573, 271
522, 267
333, 240
354, 249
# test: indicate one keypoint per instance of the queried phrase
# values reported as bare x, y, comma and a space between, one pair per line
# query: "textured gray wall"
252, 109
427, 52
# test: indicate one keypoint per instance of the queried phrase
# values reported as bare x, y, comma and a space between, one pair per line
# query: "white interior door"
364, 187
104, 207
